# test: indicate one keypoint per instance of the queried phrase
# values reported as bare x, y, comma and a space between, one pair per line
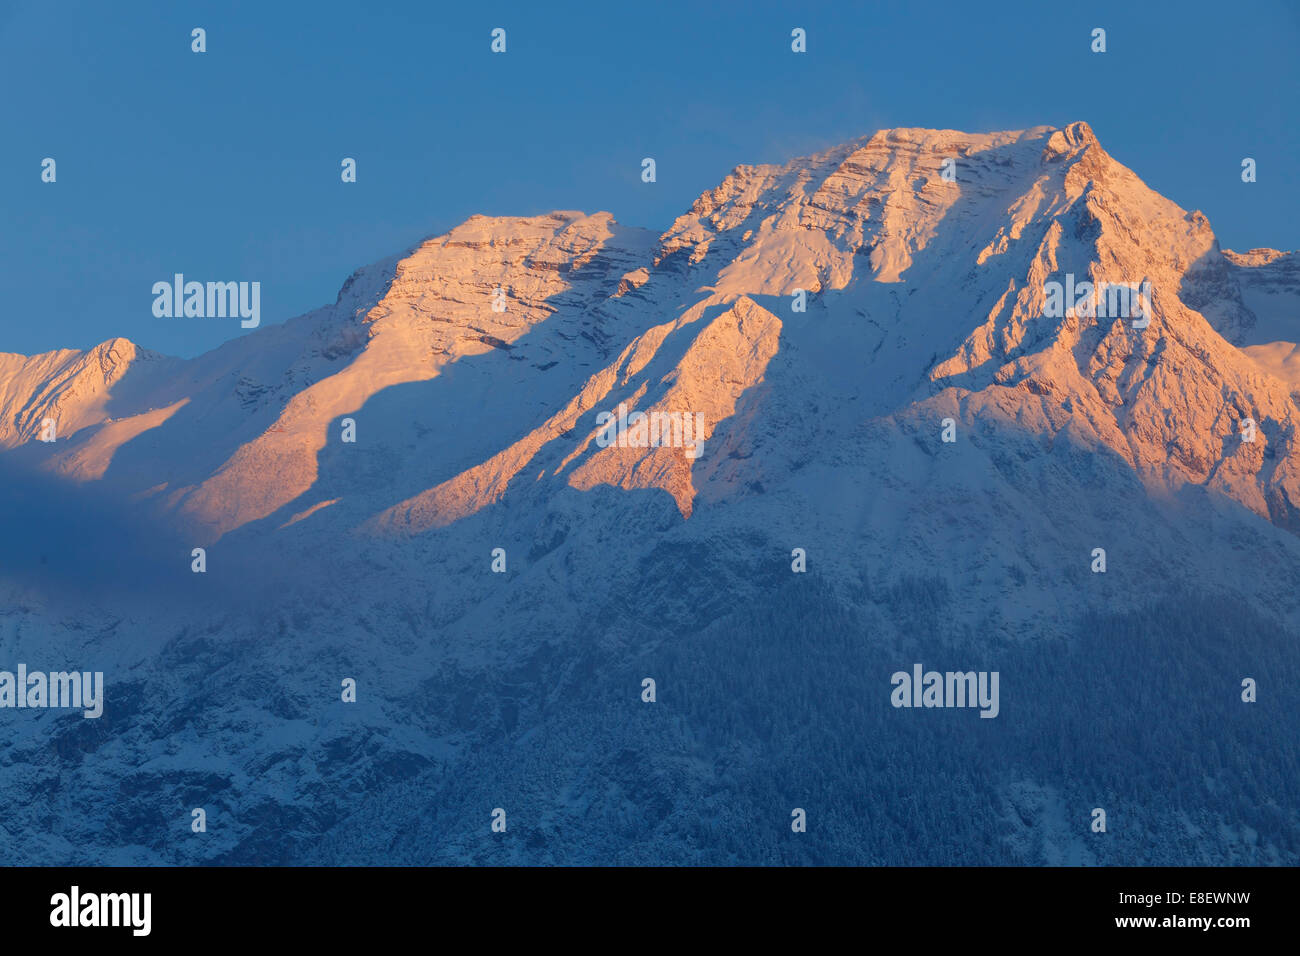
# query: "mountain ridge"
860, 212
499, 577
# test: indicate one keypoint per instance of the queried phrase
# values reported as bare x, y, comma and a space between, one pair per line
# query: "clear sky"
225, 165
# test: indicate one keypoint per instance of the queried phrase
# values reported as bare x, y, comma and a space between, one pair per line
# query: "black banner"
332, 906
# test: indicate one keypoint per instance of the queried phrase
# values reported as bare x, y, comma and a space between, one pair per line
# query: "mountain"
823, 325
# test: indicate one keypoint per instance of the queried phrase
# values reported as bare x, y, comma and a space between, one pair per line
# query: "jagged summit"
480, 360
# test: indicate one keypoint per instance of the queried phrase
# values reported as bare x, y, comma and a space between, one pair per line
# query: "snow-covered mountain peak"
904, 272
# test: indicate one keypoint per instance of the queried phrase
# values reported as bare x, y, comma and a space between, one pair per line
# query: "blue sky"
225, 165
